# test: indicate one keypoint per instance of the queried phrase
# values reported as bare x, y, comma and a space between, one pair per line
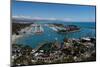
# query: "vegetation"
18, 26
77, 52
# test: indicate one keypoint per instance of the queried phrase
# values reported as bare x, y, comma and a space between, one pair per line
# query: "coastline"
70, 31
14, 37
18, 27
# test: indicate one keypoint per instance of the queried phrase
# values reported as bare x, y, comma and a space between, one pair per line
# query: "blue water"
87, 30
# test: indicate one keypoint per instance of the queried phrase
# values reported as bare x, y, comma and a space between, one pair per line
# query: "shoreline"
57, 30
70, 31
14, 37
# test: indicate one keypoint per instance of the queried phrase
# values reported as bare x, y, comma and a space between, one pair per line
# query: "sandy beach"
14, 37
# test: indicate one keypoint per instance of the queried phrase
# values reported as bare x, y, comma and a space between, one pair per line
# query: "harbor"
44, 44
48, 32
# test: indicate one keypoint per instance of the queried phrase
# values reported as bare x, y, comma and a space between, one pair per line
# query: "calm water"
87, 30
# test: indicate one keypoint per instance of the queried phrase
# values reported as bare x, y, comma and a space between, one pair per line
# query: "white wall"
5, 33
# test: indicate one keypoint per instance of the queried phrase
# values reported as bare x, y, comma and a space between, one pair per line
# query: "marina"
34, 36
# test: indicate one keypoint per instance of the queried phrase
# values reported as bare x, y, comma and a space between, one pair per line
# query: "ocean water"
87, 29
